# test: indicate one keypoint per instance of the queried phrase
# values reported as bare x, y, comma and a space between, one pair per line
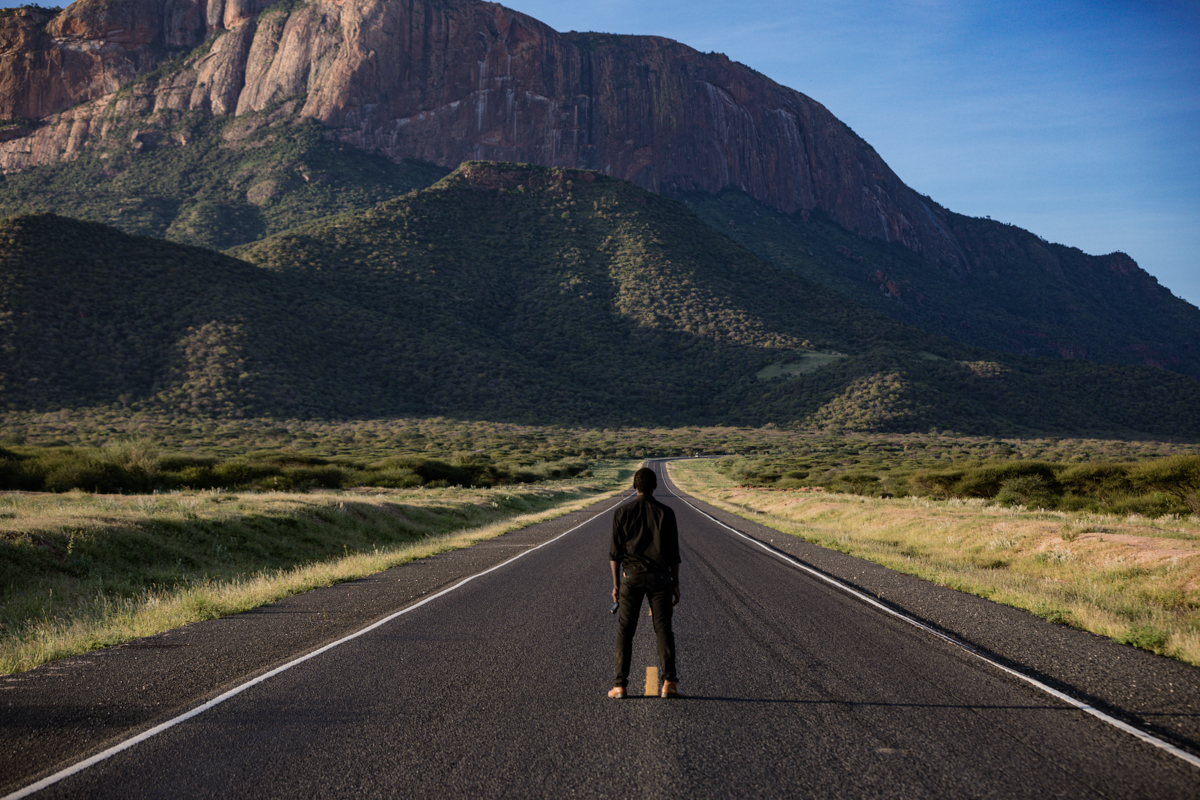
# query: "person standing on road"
645, 549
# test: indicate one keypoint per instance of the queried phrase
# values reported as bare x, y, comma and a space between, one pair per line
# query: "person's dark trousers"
659, 588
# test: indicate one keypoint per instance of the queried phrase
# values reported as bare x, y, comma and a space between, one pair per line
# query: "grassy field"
83, 571
1130, 578
780, 448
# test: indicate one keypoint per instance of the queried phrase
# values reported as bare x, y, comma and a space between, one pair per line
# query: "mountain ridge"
1061, 303
446, 82
514, 293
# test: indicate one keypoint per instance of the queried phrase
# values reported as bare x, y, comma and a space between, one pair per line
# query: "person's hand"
675, 602
614, 594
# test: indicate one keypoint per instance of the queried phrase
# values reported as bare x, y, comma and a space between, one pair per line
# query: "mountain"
446, 81
513, 293
210, 193
1023, 295
146, 99
90, 316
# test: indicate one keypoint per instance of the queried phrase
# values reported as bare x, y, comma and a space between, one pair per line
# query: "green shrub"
109, 469
1074, 502
437, 472
133, 456
986, 480
391, 478
80, 474
1177, 476
940, 482
242, 473
16, 475
196, 476
133, 465
1154, 504
282, 459
860, 482
1102, 481
1031, 491
742, 470
323, 477
1147, 637
564, 468
177, 463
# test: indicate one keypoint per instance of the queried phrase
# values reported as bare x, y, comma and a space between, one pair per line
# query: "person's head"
644, 481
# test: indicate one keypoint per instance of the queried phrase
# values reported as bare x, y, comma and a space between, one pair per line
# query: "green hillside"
213, 182
518, 294
620, 295
557, 294
1021, 294
90, 316
219, 183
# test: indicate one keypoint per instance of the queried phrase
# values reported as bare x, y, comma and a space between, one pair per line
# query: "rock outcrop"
52, 61
452, 80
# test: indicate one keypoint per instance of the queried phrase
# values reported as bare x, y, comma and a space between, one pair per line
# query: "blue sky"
1076, 119
1079, 121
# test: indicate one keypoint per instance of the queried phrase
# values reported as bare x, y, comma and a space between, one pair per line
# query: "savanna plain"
145, 524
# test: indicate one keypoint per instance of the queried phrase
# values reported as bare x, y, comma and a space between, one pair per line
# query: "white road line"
1071, 701
75, 769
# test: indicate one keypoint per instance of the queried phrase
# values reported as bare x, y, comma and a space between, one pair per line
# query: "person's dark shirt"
645, 537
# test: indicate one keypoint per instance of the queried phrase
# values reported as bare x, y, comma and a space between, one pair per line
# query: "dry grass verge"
1132, 579
80, 571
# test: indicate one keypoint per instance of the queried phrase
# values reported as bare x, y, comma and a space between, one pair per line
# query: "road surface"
793, 688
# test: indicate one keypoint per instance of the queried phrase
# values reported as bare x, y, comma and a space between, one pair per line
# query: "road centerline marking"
651, 682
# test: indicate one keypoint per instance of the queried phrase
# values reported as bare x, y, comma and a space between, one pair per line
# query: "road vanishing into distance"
496, 688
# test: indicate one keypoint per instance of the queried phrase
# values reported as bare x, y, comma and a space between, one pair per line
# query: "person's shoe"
617, 693
670, 689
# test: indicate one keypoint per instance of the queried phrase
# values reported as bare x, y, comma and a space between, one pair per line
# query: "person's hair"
644, 480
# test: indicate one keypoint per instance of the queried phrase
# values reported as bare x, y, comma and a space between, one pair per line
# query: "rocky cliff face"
448, 81
92, 48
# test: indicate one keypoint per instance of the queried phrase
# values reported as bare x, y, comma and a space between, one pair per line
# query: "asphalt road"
497, 689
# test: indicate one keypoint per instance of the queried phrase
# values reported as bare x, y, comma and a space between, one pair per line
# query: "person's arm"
670, 538
616, 551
